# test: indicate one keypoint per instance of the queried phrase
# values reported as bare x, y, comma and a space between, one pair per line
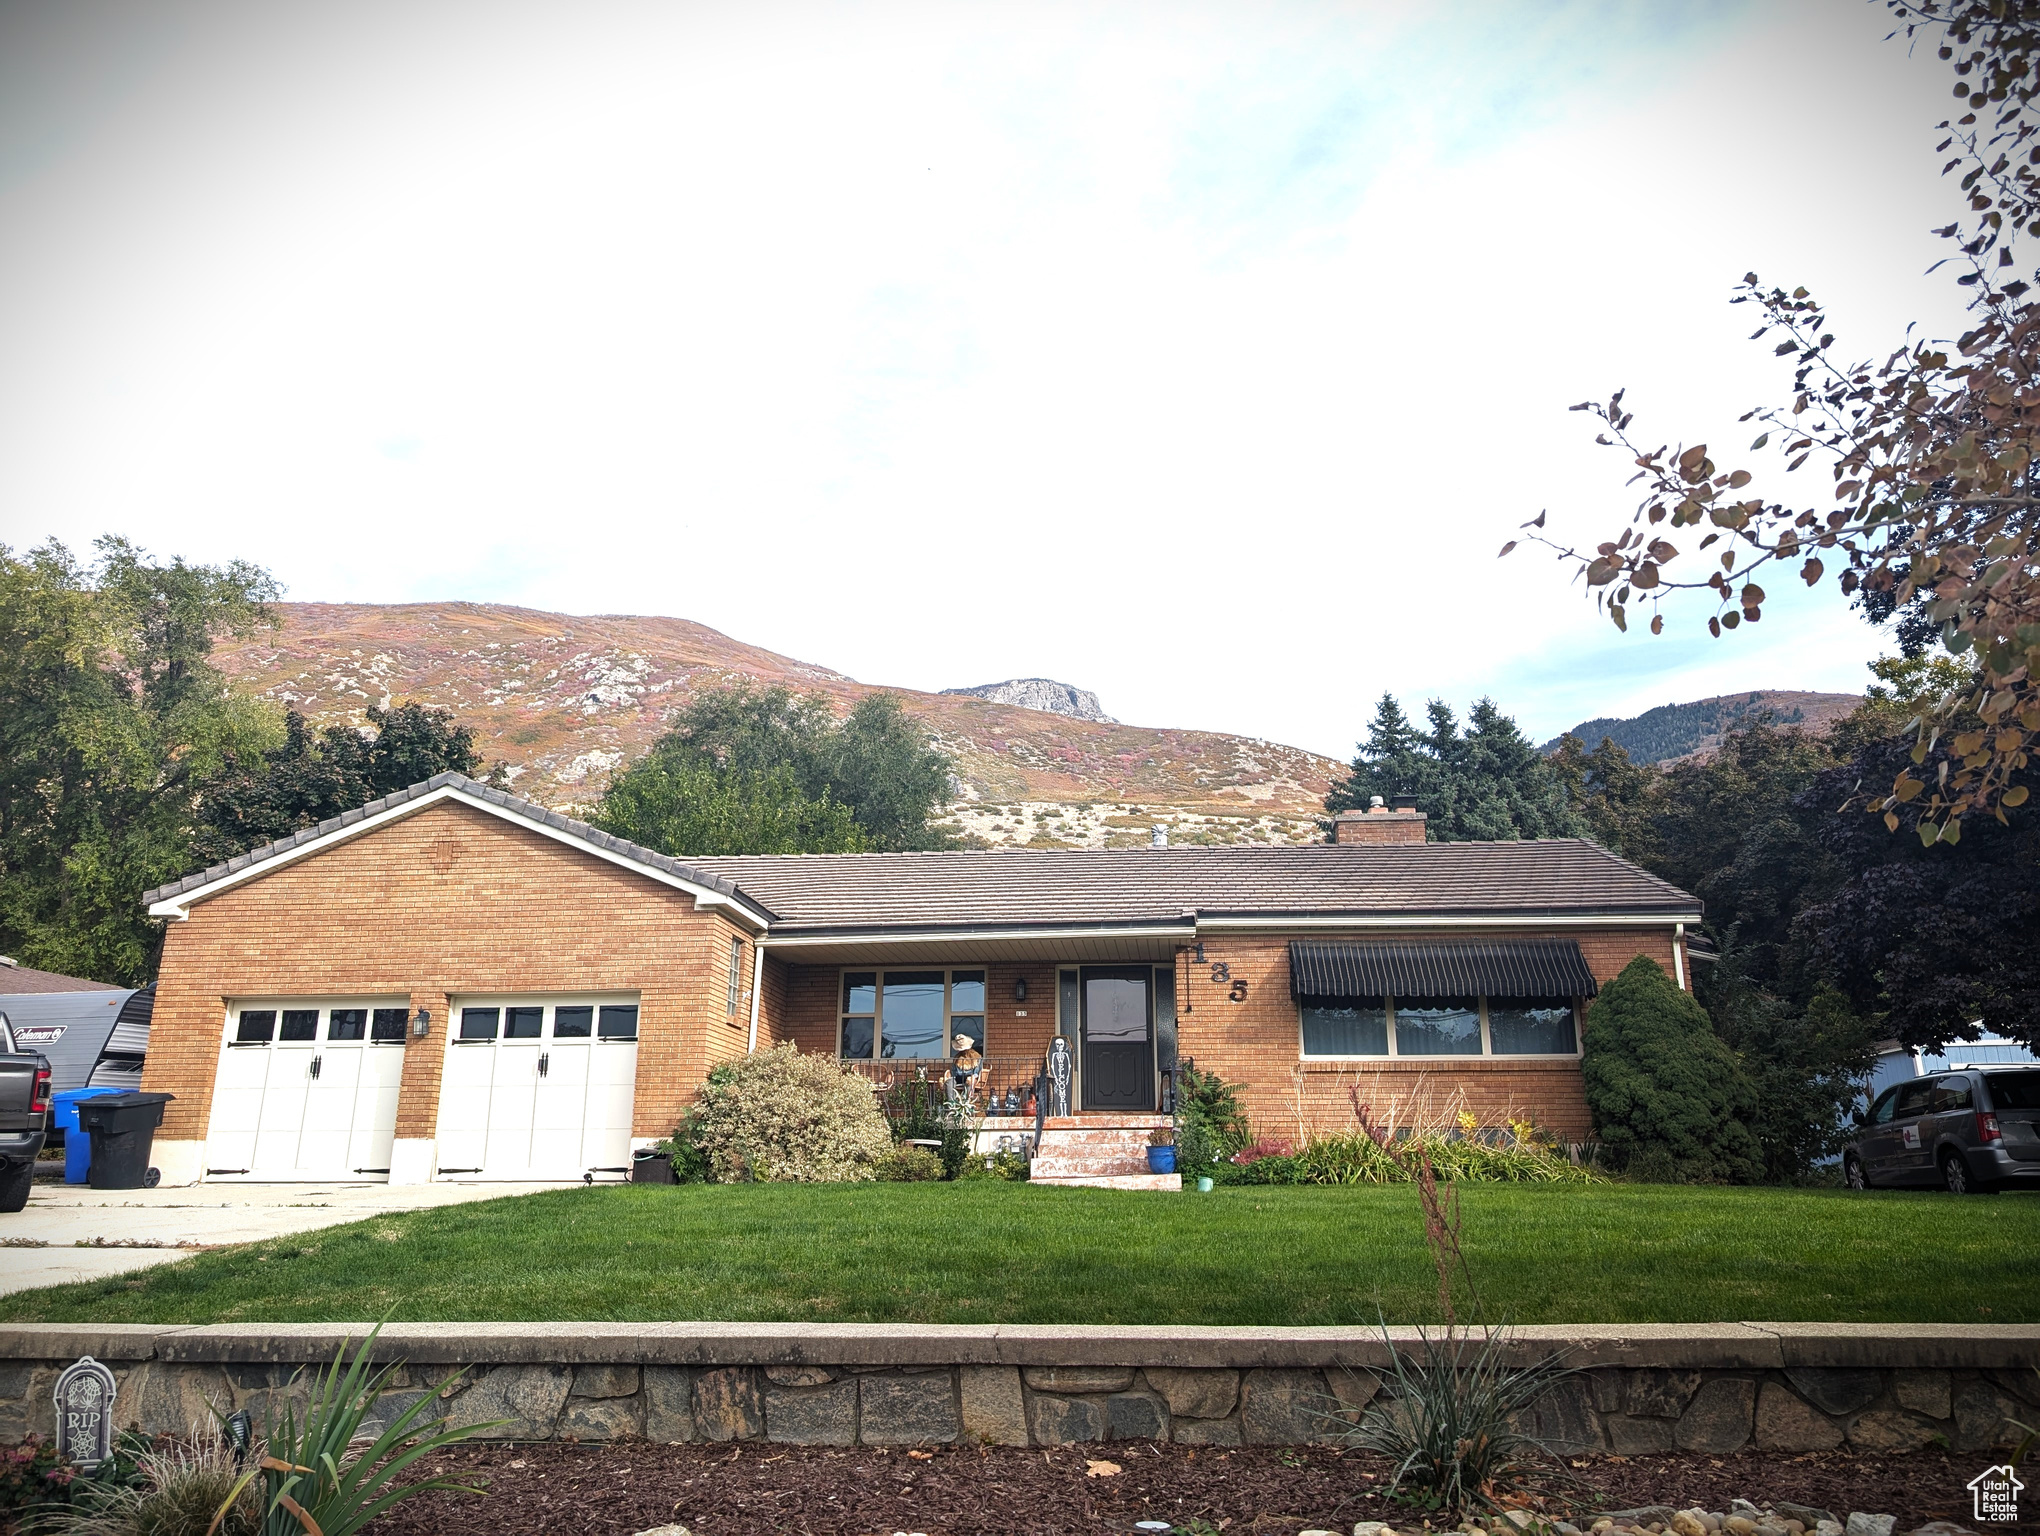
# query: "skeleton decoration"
1061, 1071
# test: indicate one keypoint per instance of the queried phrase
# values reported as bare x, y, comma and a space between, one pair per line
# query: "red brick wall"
450, 900
1256, 1042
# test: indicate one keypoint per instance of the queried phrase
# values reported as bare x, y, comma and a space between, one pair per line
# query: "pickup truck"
24, 1116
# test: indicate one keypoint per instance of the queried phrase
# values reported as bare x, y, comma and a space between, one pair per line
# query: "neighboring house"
1895, 1063
16, 978
455, 983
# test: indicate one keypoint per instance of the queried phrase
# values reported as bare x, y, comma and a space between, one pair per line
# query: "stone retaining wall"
1710, 1388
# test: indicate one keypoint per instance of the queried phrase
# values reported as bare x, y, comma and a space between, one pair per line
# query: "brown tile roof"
17, 979
857, 892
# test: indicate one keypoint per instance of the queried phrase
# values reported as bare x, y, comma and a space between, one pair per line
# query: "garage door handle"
544, 1062
315, 1066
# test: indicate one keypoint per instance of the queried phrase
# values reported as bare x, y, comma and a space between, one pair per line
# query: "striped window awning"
1521, 968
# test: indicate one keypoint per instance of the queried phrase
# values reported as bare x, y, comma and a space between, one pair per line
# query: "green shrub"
1669, 1099
1210, 1125
690, 1163
781, 1117
1010, 1166
907, 1165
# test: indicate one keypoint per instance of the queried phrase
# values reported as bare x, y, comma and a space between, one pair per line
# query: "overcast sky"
1198, 354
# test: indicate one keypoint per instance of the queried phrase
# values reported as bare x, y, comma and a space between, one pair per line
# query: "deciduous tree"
1935, 506
111, 720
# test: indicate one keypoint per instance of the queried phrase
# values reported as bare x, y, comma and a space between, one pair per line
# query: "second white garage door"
538, 1088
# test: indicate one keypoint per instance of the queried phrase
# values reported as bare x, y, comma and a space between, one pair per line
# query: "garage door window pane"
910, 1020
347, 1024
857, 1039
523, 1023
387, 1026
1533, 1027
299, 1024
575, 1023
619, 1021
1359, 1028
255, 1026
1438, 1029
479, 1023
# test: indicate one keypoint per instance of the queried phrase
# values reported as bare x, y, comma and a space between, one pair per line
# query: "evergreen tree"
1614, 796
1670, 1100
1486, 783
1392, 761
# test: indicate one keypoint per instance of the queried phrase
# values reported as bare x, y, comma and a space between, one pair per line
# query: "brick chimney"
1379, 823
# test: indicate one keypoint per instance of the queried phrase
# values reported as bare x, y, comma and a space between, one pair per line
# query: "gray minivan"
1971, 1130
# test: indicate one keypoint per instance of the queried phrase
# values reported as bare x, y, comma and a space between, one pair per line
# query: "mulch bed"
732, 1490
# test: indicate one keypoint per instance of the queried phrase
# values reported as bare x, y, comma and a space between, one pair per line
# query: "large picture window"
909, 1015
1359, 1028
1431, 1026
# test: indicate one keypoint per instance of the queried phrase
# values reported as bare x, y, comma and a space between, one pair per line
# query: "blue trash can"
77, 1143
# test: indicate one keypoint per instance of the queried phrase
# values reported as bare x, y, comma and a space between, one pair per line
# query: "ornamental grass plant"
1453, 1419
1457, 1146
186, 1487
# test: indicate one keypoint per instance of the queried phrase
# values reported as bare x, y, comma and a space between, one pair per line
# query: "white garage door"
307, 1089
538, 1088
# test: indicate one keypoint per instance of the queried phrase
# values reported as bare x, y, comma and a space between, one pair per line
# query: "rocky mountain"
563, 700
1041, 693
1680, 730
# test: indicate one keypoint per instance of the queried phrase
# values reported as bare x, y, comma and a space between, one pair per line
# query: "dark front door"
1119, 1052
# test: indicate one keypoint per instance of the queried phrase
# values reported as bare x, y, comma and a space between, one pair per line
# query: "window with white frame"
908, 1015
1434, 1026
736, 974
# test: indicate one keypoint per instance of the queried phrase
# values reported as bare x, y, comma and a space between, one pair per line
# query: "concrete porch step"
1050, 1166
1171, 1181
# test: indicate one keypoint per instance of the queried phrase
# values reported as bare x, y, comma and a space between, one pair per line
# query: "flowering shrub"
31, 1477
779, 1116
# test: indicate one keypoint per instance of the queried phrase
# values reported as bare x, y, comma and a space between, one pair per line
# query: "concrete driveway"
72, 1232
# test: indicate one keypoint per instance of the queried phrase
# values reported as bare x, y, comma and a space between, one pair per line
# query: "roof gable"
177, 898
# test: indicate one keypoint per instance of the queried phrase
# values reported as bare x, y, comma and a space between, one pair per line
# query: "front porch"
1001, 1105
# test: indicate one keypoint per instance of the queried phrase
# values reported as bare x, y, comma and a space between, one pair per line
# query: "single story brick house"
454, 983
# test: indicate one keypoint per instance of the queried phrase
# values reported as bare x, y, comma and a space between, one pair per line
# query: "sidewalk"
160, 1226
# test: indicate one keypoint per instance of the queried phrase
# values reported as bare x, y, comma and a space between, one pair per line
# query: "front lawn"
986, 1252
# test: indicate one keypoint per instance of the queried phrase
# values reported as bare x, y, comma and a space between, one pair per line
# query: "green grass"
985, 1252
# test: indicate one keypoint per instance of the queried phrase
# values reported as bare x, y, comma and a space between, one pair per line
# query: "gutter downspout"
1678, 956
757, 983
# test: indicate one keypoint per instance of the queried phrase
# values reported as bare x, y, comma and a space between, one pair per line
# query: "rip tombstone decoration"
85, 1414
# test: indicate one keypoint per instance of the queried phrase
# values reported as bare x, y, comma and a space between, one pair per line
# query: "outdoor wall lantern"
421, 1026
1019, 989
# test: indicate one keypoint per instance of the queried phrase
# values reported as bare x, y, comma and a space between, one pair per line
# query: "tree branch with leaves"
1934, 505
